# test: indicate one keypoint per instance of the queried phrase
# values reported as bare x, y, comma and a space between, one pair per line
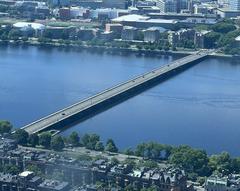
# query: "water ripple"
217, 101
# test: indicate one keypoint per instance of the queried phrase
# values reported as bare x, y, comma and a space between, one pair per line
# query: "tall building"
55, 3
151, 35
234, 5
174, 6
120, 4
64, 13
129, 33
182, 5
167, 6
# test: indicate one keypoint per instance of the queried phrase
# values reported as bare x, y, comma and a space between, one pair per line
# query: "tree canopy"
223, 27
21, 136
45, 139
5, 127
33, 140
90, 141
74, 139
57, 143
192, 160
110, 146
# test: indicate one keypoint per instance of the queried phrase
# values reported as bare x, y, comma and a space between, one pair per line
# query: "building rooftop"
225, 9
130, 18
35, 26
164, 21
160, 29
237, 38
25, 173
53, 184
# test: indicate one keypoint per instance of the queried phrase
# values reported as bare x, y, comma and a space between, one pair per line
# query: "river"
199, 107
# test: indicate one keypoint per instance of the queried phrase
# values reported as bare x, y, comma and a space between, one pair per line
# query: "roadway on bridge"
60, 115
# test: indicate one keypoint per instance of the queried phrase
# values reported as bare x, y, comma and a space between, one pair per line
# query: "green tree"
229, 38
65, 35
24, 39
236, 165
48, 34
129, 187
166, 48
11, 169
74, 139
85, 139
90, 141
93, 139
57, 143
129, 151
192, 160
44, 40
140, 150
152, 188
114, 161
5, 127
211, 39
14, 34
33, 140
21, 136
84, 157
139, 47
221, 163
223, 27
110, 146
57, 175
99, 146
149, 164
4, 36
35, 169
130, 162
45, 139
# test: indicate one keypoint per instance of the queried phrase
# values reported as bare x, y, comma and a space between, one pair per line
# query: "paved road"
78, 151
58, 116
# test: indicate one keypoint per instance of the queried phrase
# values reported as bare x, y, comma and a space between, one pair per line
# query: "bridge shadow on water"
111, 102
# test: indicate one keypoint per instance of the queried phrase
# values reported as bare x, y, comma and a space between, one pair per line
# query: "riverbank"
95, 48
106, 49
195, 162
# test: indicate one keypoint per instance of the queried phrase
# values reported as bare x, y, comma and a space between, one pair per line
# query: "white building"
200, 9
216, 183
227, 13
76, 12
27, 26
109, 13
237, 39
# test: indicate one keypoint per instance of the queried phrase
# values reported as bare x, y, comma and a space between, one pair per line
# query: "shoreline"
109, 50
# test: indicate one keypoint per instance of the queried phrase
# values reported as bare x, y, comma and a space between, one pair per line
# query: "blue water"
200, 107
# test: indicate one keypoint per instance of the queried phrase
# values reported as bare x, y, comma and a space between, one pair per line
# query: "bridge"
112, 96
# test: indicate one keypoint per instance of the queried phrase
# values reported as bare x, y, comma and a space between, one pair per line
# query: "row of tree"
223, 35
45, 139
195, 162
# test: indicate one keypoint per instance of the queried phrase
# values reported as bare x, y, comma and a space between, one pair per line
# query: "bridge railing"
91, 99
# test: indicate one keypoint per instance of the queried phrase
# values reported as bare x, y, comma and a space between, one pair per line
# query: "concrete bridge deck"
61, 115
